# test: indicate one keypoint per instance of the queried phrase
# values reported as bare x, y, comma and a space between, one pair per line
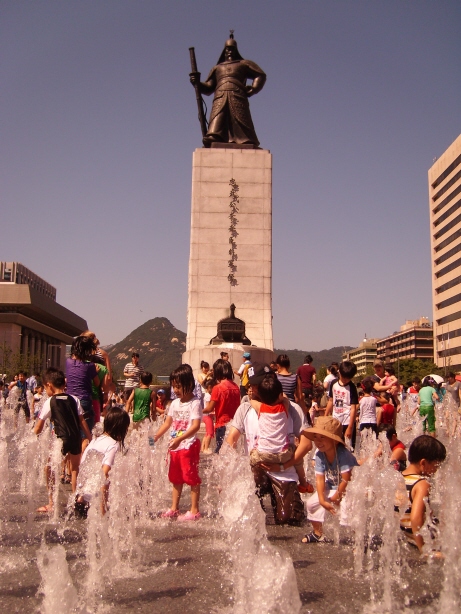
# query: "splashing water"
60, 594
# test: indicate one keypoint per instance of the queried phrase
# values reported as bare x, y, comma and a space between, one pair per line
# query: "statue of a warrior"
230, 119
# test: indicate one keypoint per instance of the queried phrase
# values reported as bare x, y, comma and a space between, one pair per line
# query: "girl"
367, 405
184, 418
208, 419
105, 447
204, 375
143, 401
427, 397
80, 373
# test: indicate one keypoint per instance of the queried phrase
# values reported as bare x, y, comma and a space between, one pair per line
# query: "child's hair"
333, 368
222, 369
386, 395
184, 377
452, 375
204, 365
146, 378
83, 348
116, 424
368, 385
416, 380
210, 382
270, 389
308, 358
283, 361
55, 377
427, 447
348, 369
390, 370
388, 429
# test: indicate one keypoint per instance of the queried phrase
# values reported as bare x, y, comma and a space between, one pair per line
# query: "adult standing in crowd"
291, 382
132, 371
281, 481
332, 373
243, 373
225, 398
307, 374
453, 387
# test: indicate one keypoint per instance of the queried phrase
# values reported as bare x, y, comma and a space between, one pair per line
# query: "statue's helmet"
231, 42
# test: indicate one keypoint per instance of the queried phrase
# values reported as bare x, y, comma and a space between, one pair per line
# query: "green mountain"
321, 358
159, 344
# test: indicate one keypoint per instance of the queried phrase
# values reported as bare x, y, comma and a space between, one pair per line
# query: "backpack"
244, 380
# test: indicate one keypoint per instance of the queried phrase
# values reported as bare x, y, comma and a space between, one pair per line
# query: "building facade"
445, 227
34, 328
413, 341
363, 356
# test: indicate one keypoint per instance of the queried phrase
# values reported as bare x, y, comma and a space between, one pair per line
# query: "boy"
333, 470
343, 399
425, 455
66, 415
143, 401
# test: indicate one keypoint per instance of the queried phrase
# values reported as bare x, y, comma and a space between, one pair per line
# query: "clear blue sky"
99, 125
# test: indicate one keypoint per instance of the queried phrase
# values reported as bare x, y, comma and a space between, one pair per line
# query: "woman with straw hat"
333, 469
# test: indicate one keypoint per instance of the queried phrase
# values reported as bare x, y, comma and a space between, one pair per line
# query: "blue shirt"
344, 461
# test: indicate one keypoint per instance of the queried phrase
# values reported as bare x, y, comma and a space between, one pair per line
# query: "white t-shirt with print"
182, 415
343, 397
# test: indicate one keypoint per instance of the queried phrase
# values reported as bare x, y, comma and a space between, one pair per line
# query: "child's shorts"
71, 446
428, 413
209, 425
184, 465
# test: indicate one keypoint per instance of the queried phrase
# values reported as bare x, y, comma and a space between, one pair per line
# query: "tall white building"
445, 225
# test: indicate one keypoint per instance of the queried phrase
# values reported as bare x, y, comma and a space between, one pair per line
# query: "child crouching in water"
333, 469
105, 448
274, 445
184, 418
425, 456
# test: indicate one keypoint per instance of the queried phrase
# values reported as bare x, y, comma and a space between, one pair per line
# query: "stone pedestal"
231, 251
210, 353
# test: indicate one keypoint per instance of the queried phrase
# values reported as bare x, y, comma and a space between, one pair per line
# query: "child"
398, 458
391, 381
106, 446
274, 445
333, 468
343, 399
66, 415
143, 400
427, 396
386, 413
208, 418
161, 402
37, 398
184, 418
425, 455
367, 406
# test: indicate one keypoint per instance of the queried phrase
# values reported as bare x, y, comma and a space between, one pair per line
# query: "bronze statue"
230, 119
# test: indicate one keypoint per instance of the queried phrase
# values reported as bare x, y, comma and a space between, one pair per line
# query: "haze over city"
100, 122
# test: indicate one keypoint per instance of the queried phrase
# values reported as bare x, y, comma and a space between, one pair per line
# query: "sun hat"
328, 427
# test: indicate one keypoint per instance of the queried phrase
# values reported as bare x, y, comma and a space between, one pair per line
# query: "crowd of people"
275, 416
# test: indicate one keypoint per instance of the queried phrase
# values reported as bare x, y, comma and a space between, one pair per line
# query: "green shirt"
425, 395
141, 404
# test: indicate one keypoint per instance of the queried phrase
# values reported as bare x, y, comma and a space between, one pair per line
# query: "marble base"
230, 240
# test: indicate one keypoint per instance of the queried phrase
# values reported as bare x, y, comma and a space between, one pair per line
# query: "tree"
407, 369
322, 373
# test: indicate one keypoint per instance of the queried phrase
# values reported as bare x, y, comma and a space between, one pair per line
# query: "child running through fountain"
66, 415
143, 401
425, 456
333, 470
273, 445
105, 448
184, 418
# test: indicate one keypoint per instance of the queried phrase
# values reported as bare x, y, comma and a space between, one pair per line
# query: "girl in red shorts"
184, 418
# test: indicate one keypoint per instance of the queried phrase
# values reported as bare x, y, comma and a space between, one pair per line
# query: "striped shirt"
134, 373
288, 384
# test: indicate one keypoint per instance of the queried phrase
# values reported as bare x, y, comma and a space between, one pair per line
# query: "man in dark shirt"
307, 375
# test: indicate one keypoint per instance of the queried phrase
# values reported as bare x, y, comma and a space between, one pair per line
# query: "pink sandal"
189, 516
170, 514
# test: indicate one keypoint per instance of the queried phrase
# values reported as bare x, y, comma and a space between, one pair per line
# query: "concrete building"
445, 227
413, 341
32, 323
363, 356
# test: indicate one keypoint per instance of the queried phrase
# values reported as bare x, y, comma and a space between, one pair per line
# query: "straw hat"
328, 427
